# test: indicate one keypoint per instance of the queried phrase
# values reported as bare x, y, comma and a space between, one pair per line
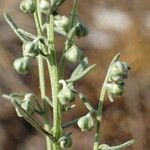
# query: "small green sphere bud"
45, 6
28, 6
30, 49
61, 22
82, 30
65, 141
86, 123
116, 89
66, 94
118, 71
74, 54
21, 65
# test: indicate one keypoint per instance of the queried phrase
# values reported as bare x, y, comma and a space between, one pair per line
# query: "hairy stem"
53, 70
38, 21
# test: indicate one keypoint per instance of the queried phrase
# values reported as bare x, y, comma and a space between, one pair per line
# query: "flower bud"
86, 123
21, 65
66, 94
30, 49
82, 30
45, 6
118, 71
65, 141
28, 6
61, 22
74, 54
28, 103
115, 89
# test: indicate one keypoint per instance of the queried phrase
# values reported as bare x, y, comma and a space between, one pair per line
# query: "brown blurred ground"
114, 26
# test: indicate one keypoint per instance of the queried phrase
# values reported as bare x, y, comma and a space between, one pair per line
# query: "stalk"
38, 22
67, 43
99, 115
100, 106
53, 70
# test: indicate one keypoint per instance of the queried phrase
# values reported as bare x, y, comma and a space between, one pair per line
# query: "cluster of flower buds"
28, 6
65, 141
86, 123
74, 54
30, 49
67, 94
28, 103
22, 65
117, 73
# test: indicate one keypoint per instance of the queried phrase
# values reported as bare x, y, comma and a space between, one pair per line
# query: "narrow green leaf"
110, 95
26, 34
29, 119
83, 65
119, 147
82, 74
14, 27
86, 103
124, 145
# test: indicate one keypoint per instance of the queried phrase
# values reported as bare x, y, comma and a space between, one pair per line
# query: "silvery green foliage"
49, 20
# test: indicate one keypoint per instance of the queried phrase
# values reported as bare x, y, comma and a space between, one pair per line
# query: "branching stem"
100, 107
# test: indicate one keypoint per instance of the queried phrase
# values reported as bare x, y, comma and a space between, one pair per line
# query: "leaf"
83, 64
110, 95
29, 119
14, 27
119, 147
82, 74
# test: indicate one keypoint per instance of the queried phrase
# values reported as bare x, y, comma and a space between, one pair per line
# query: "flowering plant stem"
47, 18
38, 22
100, 107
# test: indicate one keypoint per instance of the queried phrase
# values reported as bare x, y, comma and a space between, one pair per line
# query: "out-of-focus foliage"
114, 26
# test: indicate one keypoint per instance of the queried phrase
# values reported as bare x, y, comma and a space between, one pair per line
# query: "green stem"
73, 122
53, 70
73, 13
67, 43
100, 107
38, 22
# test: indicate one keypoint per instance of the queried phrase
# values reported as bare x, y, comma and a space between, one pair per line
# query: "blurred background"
115, 26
